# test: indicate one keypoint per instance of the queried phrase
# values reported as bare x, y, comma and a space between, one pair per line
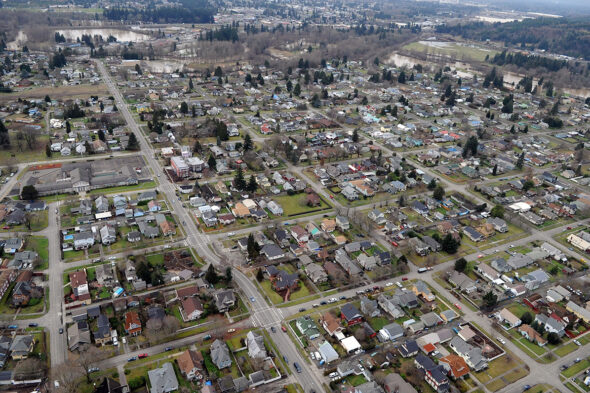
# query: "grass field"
295, 205
453, 50
55, 92
576, 368
114, 190
40, 245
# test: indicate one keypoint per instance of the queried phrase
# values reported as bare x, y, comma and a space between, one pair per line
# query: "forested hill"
191, 11
567, 36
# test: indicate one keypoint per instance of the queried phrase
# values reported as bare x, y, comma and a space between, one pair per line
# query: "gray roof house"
472, 355
327, 352
83, 240
255, 344
220, 354
370, 308
224, 300
163, 379
393, 331
390, 306
108, 234
316, 273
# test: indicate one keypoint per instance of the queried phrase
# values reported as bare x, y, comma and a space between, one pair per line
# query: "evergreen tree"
259, 275
239, 181
520, 161
29, 193
253, 248
297, 90
133, 143
48, 150
495, 170
355, 136
252, 184
183, 107
247, 143
212, 162
190, 84
438, 193
4, 138
460, 264
211, 275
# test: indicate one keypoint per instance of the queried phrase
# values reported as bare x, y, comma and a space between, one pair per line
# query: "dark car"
323, 302
168, 349
297, 367
61, 330
131, 359
302, 309
272, 329
33, 324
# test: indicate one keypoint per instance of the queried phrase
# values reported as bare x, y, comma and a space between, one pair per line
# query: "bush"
136, 383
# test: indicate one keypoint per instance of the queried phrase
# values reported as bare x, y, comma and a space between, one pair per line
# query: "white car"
577, 343
231, 234
124, 340
231, 330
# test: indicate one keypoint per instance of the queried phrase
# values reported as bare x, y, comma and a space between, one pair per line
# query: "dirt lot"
81, 91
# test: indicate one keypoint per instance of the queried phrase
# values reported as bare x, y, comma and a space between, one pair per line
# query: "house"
532, 335
327, 352
472, 234
350, 314
23, 292
328, 225
331, 324
421, 289
508, 319
472, 355
79, 283
104, 275
487, 230
351, 344
430, 319
21, 347
343, 223
23, 260
367, 262
299, 234
394, 383
163, 379
370, 308
109, 385
192, 308
6, 278
272, 252
448, 315
349, 193
498, 224
307, 327
346, 263
391, 332
316, 273
461, 281
102, 335
275, 208
255, 345
133, 236
455, 365
550, 324
390, 306
377, 217
190, 364
108, 235
224, 300
419, 246
434, 374
409, 348
580, 312
282, 282
13, 245
132, 323
83, 240
220, 354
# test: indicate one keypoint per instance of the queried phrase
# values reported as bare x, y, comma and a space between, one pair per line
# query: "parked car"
168, 349
132, 359
33, 324
283, 328
272, 329
143, 355
297, 367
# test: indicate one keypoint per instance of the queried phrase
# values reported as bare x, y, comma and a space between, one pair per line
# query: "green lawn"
73, 255
274, 297
565, 349
294, 205
114, 190
377, 323
576, 368
40, 245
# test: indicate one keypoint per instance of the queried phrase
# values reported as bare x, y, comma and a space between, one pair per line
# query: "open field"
452, 50
78, 91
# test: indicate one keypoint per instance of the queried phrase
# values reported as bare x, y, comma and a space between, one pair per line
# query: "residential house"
190, 364
255, 344
434, 374
391, 332
163, 379
421, 289
220, 354
79, 283
102, 334
192, 308
498, 224
390, 306
461, 281
550, 324
472, 355
22, 346
327, 352
394, 383
370, 308
350, 314
316, 273
132, 323
108, 234
455, 365
224, 300
307, 327
331, 324
409, 348
83, 240
532, 335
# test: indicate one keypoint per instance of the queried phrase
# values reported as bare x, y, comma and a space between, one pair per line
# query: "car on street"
168, 349
297, 367
323, 303
526, 387
404, 278
458, 305
231, 234
33, 324
252, 299
132, 359
342, 297
283, 328
93, 369
142, 355
207, 337
124, 340
285, 359
302, 309
577, 343
61, 330
578, 360
272, 329
231, 330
